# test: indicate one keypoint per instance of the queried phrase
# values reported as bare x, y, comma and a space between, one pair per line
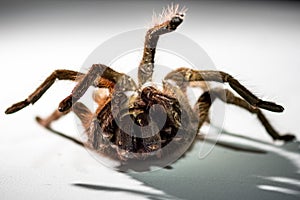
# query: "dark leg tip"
65, 104
9, 110
38, 119
287, 137
42, 122
16, 107
270, 106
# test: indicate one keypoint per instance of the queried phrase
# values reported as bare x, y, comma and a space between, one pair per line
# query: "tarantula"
150, 123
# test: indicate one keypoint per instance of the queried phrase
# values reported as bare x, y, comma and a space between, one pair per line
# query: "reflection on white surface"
284, 180
278, 189
293, 157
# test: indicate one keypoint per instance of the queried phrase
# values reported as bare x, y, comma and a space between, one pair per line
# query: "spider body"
152, 123
142, 125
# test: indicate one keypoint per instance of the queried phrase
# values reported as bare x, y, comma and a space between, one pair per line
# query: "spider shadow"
230, 164
148, 195
167, 194
190, 178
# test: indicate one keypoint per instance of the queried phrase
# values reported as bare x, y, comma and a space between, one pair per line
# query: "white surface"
257, 44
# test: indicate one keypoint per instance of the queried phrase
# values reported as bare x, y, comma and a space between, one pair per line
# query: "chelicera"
150, 123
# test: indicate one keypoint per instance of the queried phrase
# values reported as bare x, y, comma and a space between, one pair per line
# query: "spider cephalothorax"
150, 122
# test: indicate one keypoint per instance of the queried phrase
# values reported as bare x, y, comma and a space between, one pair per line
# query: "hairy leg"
205, 101
46, 122
121, 82
183, 75
173, 19
81, 111
107, 80
36, 95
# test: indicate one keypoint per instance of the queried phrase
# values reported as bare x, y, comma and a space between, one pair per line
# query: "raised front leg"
172, 19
